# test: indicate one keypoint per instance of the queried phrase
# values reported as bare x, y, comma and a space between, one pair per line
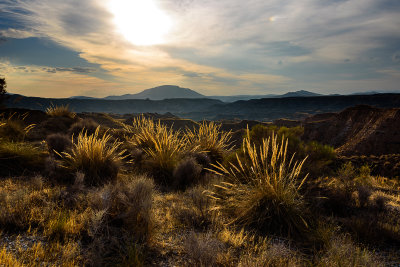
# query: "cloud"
226, 45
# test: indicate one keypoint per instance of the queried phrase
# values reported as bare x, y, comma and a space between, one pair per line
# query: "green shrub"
93, 156
263, 192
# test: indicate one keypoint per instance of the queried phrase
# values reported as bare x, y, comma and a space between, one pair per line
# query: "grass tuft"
263, 189
210, 139
95, 157
60, 111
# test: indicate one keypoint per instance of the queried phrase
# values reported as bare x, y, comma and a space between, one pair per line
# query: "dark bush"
58, 143
186, 173
88, 125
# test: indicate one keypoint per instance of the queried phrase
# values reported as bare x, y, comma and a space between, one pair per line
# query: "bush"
121, 220
342, 252
60, 111
263, 192
210, 139
93, 156
87, 125
186, 173
58, 143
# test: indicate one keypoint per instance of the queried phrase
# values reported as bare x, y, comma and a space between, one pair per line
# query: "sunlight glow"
141, 22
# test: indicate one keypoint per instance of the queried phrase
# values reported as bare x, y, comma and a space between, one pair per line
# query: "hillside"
360, 130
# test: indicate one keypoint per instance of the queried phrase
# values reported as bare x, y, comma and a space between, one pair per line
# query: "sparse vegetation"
148, 194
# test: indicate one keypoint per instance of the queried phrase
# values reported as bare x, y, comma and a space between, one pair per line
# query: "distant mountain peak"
160, 93
300, 93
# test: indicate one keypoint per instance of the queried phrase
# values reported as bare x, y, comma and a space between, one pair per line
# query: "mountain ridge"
172, 91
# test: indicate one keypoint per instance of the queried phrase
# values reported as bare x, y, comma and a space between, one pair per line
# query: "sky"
63, 48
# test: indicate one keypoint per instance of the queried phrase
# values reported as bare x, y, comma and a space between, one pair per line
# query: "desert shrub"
93, 156
203, 250
196, 211
58, 143
319, 158
342, 252
121, 217
347, 172
187, 172
60, 111
264, 191
271, 254
364, 193
210, 139
87, 125
17, 158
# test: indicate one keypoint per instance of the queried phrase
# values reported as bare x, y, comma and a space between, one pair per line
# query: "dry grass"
342, 252
60, 111
13, 128
163, 146
263, 191
95, 157
210, 139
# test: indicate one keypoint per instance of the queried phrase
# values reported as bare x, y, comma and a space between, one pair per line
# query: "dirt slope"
359, 130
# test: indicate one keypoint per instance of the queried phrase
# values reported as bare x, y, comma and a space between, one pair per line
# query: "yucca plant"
94, 156
262, 189
210, 139
60, 111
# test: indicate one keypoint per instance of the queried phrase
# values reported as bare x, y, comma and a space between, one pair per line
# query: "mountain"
82, 97
301, 93
160, 93
233, 98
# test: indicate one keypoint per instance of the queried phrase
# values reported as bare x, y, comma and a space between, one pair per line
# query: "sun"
141, 22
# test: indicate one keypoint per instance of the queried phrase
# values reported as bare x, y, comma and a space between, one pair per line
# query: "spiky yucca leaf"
262, 189
94, 156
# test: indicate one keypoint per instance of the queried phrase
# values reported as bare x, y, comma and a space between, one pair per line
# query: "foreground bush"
95, 157
121, 220
262, 191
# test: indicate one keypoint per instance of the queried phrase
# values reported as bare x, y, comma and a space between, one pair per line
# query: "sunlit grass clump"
94, 156
162, 145
262, 189
210, 139
13, 127
60, 111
